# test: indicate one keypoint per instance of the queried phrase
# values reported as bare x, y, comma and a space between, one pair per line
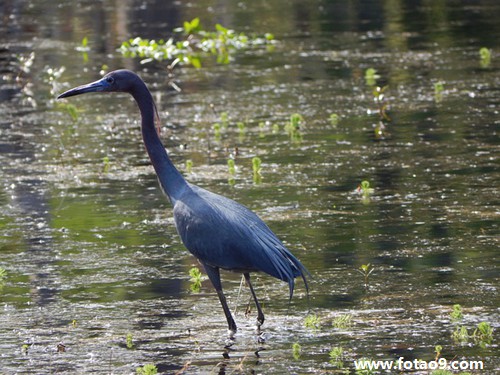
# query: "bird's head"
118, 80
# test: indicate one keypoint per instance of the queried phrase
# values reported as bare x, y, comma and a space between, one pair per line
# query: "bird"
218, 231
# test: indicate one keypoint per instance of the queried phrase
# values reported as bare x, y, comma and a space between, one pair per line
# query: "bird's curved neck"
171, 180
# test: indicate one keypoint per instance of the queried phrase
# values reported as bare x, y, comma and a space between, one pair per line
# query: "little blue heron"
218, 231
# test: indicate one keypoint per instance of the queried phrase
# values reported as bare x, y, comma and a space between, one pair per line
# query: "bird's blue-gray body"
220, 232
223, 233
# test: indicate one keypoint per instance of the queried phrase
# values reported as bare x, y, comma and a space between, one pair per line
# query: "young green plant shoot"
366, 270
256, 167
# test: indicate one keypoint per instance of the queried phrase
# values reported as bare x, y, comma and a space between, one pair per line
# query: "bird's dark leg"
260, 314
214, 276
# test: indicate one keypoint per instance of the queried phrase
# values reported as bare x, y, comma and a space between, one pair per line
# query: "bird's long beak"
100, 85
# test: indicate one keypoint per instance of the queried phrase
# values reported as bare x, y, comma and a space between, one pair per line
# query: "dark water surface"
88, 246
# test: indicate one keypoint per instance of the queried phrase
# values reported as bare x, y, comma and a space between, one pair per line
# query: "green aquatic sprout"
438, 87
190, 27
25, 348
371, 76
189, 165
337, 356
105, 164
3, 277
195, 279
483, 334
437, 350
485, 57
217, 133
257, 167
70, 110
334, 119
366, 191
460, 335
366, 270
129, 341
241, 128
456, 314
84, 45
275, 129
231, 167
262, 126
438, 91
312, 321
224, 119
342, 321
296, 350
148, 369
84, 49
294, 126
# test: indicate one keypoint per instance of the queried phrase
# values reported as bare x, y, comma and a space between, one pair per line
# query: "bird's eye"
110, 80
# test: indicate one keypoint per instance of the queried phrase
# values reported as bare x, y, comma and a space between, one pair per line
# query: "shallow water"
89, 247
